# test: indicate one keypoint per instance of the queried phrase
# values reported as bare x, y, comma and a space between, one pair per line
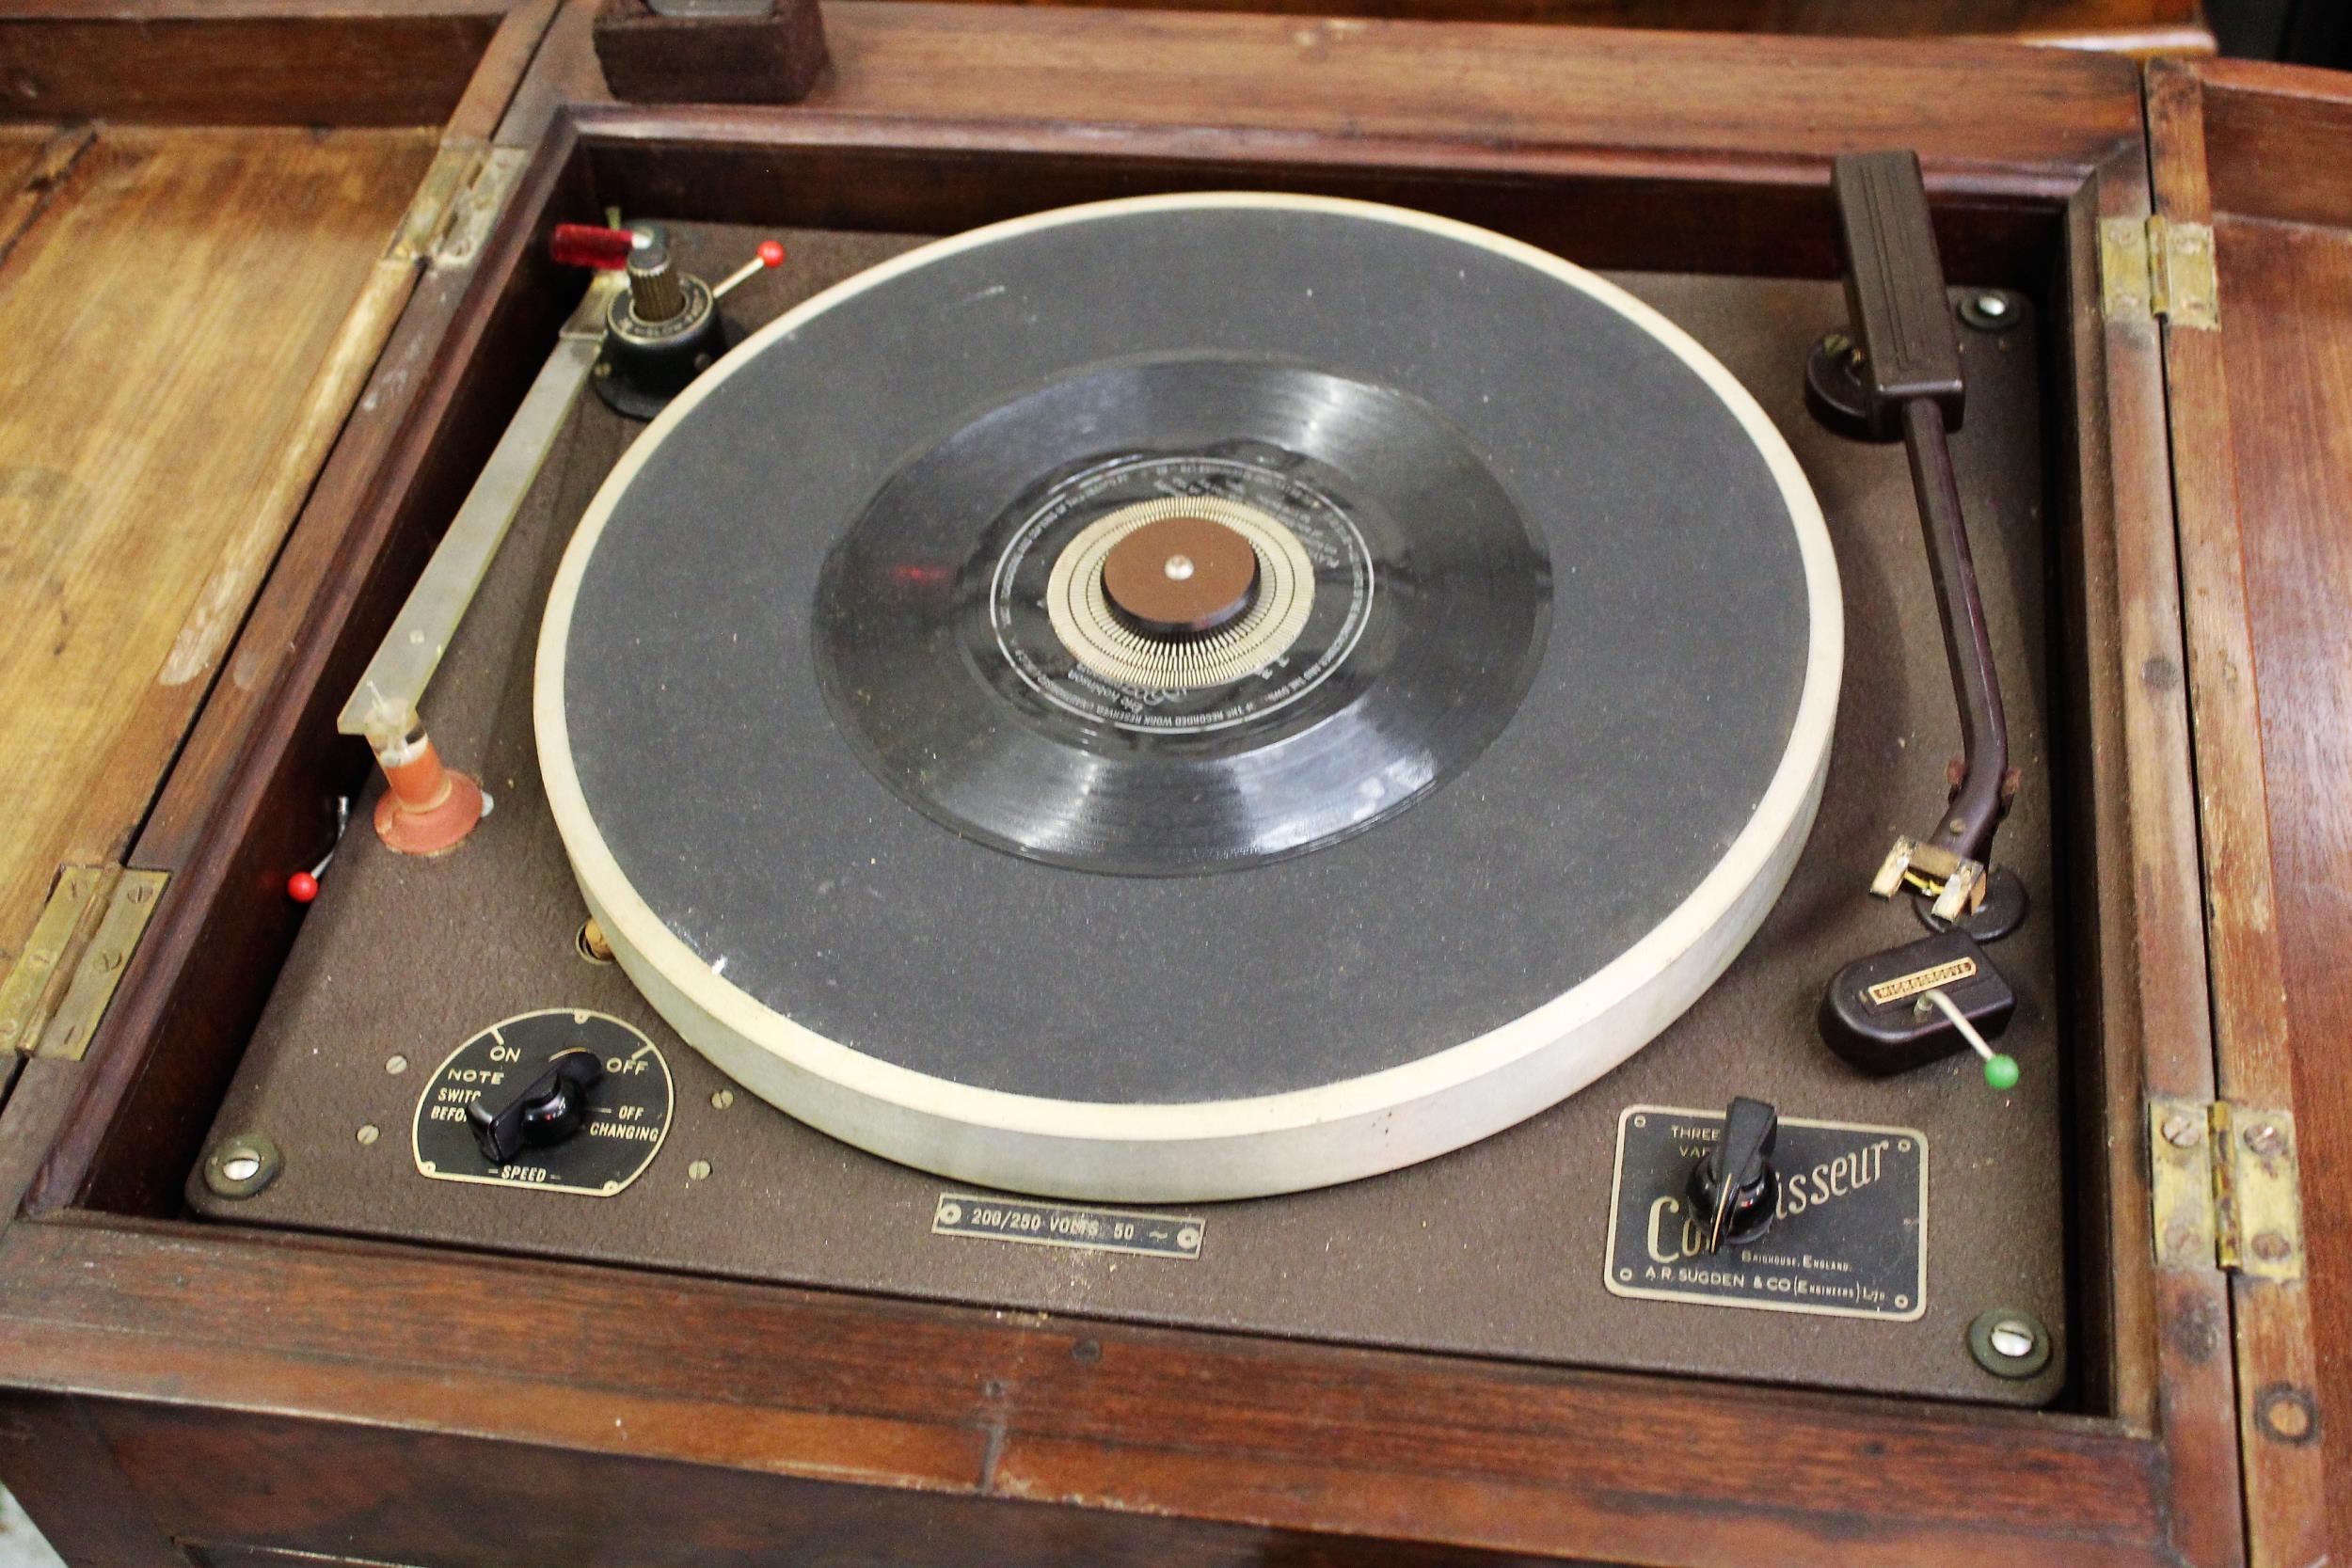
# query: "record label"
1341, 591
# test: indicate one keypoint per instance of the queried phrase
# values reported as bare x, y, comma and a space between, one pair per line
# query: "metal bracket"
2224, 1188
2180, 1182
2257, 1195
384, 707
2184, 286
452, 168
2153, 269
474, 206
1956, 884
43, 971
52, 999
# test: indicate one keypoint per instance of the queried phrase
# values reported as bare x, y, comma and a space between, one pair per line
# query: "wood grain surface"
1520, 86
2291, 382
2251, 1039
913, 1413
2038, 121
243, 63
2170, 23
19, 147
2283, 361
174, 313
2263, 473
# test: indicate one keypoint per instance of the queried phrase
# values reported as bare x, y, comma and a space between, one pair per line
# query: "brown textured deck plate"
1494, 1250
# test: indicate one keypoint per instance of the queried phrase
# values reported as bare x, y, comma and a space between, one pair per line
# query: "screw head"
2008, 1342
2271, 1246
2264, 1138
2010, 1339
2182, 1131
1989, 310
242, 1166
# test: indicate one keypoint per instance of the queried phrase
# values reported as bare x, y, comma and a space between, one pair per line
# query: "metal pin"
770, 253
1999, 1070
343, 820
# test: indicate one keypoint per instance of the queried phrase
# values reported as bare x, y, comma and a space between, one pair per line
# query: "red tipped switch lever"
584, 245
666, 329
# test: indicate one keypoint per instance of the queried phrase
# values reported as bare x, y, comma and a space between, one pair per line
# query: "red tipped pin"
303, 886
770, 253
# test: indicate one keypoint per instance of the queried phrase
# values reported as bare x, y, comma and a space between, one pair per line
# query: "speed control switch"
1733, 1189
552, 1109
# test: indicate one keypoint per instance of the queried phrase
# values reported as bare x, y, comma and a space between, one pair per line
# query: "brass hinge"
2223, 1183
58, 988
475, 205
428, 209
455, 204
2154, 269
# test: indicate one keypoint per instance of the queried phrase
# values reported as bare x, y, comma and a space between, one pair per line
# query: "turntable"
1228, 759
971, 832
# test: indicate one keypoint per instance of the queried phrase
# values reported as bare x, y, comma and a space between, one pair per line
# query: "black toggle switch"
1733, 1189
1879, 1014
551, 1110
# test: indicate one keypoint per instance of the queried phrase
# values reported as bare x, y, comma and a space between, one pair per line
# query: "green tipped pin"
1999, 1070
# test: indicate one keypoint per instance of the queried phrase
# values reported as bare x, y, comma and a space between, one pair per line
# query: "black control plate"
1847, 1239
628, 1112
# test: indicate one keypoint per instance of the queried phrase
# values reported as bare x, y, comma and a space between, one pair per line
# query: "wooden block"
649, 58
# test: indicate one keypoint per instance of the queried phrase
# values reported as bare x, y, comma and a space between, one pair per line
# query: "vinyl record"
1191, 697
1420, 618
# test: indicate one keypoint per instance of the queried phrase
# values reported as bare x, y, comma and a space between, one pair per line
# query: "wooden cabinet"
185, 1391
2254, 164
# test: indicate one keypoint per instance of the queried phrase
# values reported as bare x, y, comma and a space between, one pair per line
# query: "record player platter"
1193, 697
